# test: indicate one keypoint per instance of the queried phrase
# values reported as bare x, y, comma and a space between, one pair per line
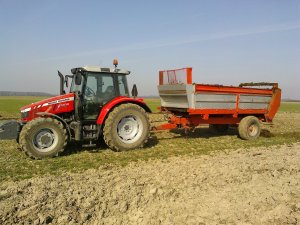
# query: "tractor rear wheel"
249, 128
126, 127
43, 137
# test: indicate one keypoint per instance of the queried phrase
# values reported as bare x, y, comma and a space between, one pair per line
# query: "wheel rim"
130, 129
45, 140
253, 130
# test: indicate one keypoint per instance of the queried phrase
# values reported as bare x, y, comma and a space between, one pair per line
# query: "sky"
224, 41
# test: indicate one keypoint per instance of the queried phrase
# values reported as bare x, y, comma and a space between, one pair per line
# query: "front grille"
24, 115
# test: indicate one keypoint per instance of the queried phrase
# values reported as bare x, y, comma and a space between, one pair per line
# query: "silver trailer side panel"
215, 101
177, 95
254, 101
183, 96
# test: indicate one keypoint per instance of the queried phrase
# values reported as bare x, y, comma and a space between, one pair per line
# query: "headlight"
24, 114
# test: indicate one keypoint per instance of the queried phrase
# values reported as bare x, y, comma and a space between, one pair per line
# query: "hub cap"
45, 140
130, 129
253, 129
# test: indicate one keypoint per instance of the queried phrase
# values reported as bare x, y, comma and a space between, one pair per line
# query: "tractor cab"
96, 86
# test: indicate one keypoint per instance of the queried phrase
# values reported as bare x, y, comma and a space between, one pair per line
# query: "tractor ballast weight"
9, 129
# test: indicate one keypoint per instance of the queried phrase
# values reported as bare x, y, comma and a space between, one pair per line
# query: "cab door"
99, 89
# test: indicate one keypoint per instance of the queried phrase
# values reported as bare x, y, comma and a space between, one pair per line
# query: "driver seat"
109, 93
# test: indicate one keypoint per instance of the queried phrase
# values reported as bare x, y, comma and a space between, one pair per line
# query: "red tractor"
97, 106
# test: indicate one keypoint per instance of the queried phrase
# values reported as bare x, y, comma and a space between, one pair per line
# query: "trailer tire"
249, 128
43, 138
126, 127
219, 128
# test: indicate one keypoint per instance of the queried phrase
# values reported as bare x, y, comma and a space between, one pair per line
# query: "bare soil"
245, 186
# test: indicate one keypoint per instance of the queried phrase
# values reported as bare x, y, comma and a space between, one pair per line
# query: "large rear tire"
249, 128
43, 138
126, 127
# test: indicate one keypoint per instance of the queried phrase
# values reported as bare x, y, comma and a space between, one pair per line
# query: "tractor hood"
55, 105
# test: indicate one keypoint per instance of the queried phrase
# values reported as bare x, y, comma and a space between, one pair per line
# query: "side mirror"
78, 78
134, 91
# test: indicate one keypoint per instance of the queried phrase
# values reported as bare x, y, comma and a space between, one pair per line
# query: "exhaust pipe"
62, 81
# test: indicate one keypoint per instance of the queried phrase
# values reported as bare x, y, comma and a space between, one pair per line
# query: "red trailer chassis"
188, 104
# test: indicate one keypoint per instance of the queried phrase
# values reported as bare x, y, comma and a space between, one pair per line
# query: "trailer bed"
178, 94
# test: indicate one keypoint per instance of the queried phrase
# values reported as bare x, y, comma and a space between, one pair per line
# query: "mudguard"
117, 101
9, 130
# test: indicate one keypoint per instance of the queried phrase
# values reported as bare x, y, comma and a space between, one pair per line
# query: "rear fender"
118, 101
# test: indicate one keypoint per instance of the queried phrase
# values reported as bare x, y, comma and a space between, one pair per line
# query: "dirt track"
255, 186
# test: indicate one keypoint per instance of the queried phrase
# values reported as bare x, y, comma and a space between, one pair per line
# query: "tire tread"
108, 137
243, 127
36, 122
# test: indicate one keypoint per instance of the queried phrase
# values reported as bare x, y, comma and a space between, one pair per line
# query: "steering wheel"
89, 92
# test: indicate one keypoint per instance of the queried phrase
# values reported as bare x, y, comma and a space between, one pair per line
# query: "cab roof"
97, 69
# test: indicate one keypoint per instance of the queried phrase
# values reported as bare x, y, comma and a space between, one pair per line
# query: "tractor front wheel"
249, 128
43, 137
126, 127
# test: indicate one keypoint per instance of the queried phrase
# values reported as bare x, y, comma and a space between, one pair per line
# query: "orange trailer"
188, 104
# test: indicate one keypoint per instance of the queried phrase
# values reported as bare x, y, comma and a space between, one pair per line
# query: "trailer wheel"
126, 127
219, 128
43, 137
249, 128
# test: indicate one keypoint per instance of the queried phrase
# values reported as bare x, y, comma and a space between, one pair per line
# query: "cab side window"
108, 89
122, 82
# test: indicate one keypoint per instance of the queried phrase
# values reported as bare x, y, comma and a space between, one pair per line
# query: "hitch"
9, 130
